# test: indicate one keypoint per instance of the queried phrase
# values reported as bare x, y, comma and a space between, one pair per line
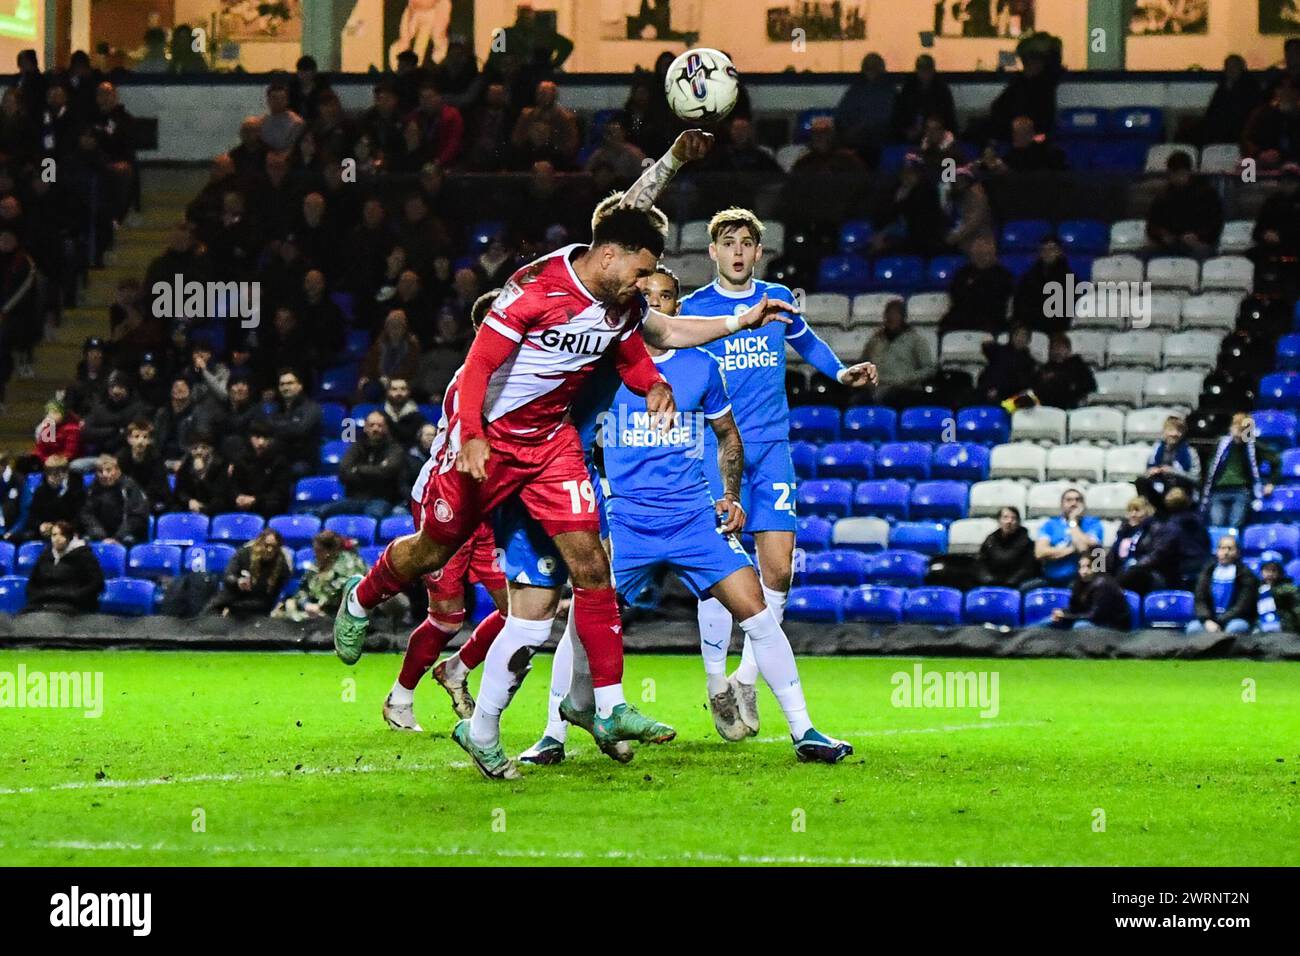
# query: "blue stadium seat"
211, 558
331, 454
874, 604
828, 497
815, 423
817, 604
893, 156
430, 411
845, 459
1089, 237
1081, 266
960, 461
1086, 122
1120, 156
356, 345
316, 491
906, 569
13, 593
1293, 569
394, 526
1283, 504
926, 423
296, 530
370, 553
870, 423
1144, 123
8, 554
1288, 352
984, 424
360, 527
1134, 608
939, 501
927, 537
32, 482
111, 557
855, 235
338, 382
345, 302
803, 455
937, 607
303, 557
331, 417
26, 557
903, 460
1276, 427
1018, 263
1024, 235
360, 410
1169, 608
803, 122
1259, 538
882, 498
154, 561
898, 274
236, 527
845, 273
1290, 466
997, 606
483, 232
813, 534
1041, 602
127, 597
181, 527
835, 567
939, 272
1079, 153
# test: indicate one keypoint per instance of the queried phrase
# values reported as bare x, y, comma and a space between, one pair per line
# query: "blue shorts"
527, 555
767, 488
689, 544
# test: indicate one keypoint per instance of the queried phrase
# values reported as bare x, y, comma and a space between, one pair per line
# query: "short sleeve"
716, 401
513, 311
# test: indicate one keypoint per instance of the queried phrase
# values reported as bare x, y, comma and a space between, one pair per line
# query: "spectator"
542, 48
1173, 464
1010, 369
912, 222
183, 256
742, 152
395, 354
546, 131
381, 125
315, 235
1063, 539
1036, 287
458, 75
487, 147
307, 89
902, 357
441, 126
141, 462
59, 433
152, 387
321, 317
294, 420
333, 129
1235, 97
286, 342
13, 492
1235, 479
1190, 547
254, 578
1289, 73
176, 423
105, 427
260, 476
114, 132
924, 94
1065, 379
864, 112
20, 299
57, 498
66, 578
1226, 593
1272, 134
418, 454
92, 372
979, 292
1277, 607
1030, 151
402, 416
616, 163
1031, 93
825, 156
280, 126
207, 377
116, 508
334, 560
232, 417
1277, 227
1096, 600
972, 212
202, 481
1186, 218
651, 125
133, 329
1145, 555
938, 149
1006, 558
249, 157
369, 472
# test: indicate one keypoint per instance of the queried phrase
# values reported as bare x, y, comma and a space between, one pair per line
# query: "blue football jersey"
649, 469
753, 360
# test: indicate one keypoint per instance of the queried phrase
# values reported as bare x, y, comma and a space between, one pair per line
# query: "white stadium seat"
1195, 349
694, 270
1237, 237
1140, 347
773, 238
1109, 531
1212, 310
1090, 346
1097, 424
1033, 526
962, 348
1077, 462
965, 535
1158, 155
1147, 424
1040, 423
851, 531
1018, 460
826, 308
1174, 272
1166, 311
788, 155
1127, 235
1110, 500
1222, 158
1117, 387
848, 344
1228, 272
986, 497
1044, 500
927, 308
1174, 388
1127, 462
870, 308
1115, 268
695, 236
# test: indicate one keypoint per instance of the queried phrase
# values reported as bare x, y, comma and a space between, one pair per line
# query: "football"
702, 85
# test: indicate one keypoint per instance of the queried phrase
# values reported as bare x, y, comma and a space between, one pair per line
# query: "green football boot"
619, 750
492, 762
625, 722
349, 630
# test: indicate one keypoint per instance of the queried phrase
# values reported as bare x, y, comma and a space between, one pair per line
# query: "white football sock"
513, 646
354, 606
747, 672
561, 678
607, 698
581, 693
775, 660
715, 634
776, 602
401, 695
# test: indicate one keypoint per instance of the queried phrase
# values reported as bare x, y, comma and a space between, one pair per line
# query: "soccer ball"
702, 85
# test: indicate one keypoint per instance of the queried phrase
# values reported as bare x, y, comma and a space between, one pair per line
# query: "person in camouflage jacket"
334, 560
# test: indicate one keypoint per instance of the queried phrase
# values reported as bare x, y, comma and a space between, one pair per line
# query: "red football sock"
596, 618
424, 646
473, 651
381, 582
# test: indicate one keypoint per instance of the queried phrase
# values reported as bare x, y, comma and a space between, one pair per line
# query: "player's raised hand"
691, 145
733, 516
661, 405
767, 310
859, 376
473, 458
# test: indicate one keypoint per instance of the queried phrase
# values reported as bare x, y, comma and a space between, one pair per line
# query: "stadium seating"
924, 537
312, 492
937, 606
295, 530
904, 460
860, 534
938, 500
154, 561
874, 604
999, 607
235, 527
182, 528
817, 604
13, 593
817, 423
827, 497
898, 568
882, 498
211, 558
960, 461
836, 567
1039, 604
127, 597
1168, 609
851, 459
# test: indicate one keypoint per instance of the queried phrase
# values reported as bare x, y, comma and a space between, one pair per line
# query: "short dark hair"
288, 370
632, 229
482, 305
306, 63
1178, 161
663, 270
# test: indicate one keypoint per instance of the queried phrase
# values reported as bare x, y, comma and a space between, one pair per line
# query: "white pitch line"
900, 731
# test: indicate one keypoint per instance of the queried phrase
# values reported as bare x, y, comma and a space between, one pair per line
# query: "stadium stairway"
166, 194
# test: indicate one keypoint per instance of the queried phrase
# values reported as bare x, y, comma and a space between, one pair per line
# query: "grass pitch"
278, 758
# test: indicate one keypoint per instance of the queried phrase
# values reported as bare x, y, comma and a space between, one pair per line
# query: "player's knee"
592, 571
